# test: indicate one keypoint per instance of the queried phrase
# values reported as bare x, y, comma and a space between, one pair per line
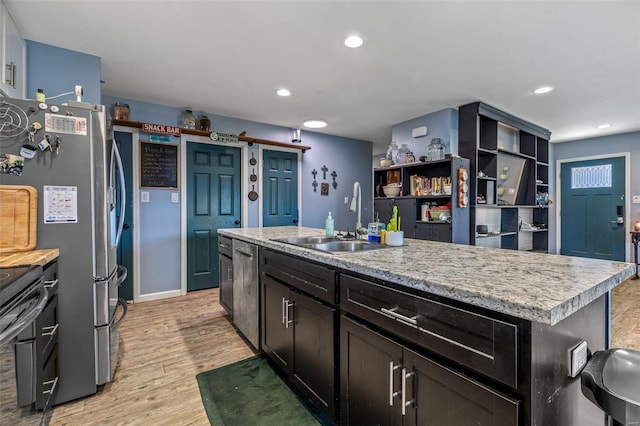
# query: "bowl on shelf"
392, 190
384, 162
436, 213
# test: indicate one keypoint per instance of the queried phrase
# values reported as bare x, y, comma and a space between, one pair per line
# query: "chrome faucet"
356, 206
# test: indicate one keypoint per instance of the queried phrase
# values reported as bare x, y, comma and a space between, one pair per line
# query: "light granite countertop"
538, 287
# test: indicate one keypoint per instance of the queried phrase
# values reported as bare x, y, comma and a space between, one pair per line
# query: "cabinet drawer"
312, 279
433, 231
478, 342
225, 245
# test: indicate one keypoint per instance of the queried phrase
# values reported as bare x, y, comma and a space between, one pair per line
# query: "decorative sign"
160, 129
224, 137
160, 138
158, 165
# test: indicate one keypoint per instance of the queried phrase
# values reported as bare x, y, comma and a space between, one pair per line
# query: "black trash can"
611, 380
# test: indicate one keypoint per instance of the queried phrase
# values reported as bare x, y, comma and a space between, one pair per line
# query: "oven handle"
27, 318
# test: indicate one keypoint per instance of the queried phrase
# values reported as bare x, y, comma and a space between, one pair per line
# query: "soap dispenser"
328, 226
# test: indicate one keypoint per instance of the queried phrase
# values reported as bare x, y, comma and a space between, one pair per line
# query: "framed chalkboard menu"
158, 165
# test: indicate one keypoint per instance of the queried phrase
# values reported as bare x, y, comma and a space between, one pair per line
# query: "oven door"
21, 312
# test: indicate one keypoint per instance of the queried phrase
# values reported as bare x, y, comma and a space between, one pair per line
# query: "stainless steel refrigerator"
76, 171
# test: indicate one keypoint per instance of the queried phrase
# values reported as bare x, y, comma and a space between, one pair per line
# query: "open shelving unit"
509, 167
409, 205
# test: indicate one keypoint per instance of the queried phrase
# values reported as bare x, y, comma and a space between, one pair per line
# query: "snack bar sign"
160, 129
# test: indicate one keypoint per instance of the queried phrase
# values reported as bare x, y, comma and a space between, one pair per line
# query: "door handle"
295, 220
236, 222
126, 226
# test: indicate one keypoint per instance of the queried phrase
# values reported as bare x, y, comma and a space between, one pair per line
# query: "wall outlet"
346, 200
144, 197
635, 199
175, 197
577, 358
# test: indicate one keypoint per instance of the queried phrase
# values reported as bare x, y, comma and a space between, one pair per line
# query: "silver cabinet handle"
249, 255
50, 284
405, 403
230, 274
223, 245
392, 394
283, 302
50, 330
391, 312
11, 67
288, 304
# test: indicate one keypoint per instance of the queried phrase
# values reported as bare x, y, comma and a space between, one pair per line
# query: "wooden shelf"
243, 138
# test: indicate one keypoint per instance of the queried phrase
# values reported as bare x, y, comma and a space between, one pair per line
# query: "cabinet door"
314, 356
225, 271
370, 367
277, 335
434, 231
12, 53
438, 396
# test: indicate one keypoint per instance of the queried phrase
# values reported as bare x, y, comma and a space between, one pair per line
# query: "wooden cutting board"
18, 218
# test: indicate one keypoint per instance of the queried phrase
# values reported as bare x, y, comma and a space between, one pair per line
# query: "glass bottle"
188, 120
205, 123
401, 156
392, 151
436, 149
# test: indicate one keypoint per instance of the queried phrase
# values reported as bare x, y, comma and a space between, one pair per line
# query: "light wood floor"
164, 344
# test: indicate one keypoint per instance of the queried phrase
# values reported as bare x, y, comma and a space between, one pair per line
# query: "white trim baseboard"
160, 295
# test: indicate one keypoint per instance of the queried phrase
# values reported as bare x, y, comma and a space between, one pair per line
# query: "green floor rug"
249, 392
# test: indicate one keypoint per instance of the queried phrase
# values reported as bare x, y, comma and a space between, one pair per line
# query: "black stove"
14, 280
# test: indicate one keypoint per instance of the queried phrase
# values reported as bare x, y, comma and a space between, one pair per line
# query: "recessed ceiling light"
543, 89
315, 124
603, 126
283, 92
353, 41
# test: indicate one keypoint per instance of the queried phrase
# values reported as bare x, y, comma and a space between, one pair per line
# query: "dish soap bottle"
328, 226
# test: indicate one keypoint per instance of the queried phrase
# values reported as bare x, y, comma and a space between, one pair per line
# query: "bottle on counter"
383, 234
188, 120
328, 226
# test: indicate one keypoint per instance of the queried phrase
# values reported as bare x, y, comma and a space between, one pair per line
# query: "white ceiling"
229, 57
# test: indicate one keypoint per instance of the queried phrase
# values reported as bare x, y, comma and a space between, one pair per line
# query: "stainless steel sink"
330, 244
305, 240
346, 246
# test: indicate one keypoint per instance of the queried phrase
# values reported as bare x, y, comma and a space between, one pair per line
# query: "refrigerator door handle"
123, 190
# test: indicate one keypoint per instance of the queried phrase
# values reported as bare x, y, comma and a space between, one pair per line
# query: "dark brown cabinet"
385, 383
298, 329
225, 273
416, 175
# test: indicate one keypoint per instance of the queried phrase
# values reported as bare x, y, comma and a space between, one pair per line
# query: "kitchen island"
501, 321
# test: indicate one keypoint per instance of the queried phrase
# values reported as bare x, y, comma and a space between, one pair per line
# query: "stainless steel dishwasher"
246, 291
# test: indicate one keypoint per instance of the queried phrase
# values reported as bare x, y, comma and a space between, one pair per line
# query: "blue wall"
441, 124
159, 225
56, 70
621, 143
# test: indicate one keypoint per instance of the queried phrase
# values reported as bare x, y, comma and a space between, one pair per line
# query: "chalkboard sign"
158, 165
